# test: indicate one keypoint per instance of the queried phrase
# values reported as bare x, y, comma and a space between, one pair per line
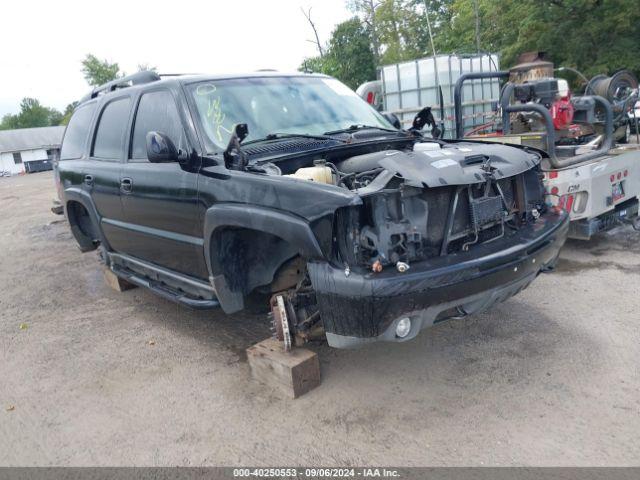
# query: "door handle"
126, 185
88, 180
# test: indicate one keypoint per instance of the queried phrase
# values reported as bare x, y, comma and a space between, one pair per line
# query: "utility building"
29, 149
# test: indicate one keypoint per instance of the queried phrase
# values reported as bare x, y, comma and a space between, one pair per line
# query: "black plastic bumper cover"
366, 305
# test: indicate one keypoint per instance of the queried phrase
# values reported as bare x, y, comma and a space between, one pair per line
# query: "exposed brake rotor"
280, 320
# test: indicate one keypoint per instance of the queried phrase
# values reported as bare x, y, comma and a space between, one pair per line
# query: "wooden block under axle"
115, 282
293, 373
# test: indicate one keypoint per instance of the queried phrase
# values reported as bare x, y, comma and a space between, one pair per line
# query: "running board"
170, 285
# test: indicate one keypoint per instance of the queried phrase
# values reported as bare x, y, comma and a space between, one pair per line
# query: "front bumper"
360, 308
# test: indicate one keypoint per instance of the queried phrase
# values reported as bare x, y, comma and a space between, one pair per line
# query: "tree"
398, 28
348, 55
96, 72
307, 15
402, 31
366, 9
316, 64
32, 114
594, 36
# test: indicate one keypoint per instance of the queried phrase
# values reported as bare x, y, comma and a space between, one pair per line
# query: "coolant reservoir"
320, 174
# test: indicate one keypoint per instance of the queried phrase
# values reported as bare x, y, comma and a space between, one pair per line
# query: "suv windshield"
294, 105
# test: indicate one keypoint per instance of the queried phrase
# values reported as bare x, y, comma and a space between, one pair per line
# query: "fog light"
403, 327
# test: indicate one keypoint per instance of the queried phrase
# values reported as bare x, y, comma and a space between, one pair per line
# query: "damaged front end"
443, 231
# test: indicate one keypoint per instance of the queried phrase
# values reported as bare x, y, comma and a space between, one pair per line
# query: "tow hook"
402, 267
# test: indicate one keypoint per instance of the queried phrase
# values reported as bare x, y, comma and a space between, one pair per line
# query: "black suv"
291, 193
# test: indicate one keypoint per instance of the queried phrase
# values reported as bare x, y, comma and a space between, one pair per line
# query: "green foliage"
594, 36
32, 114
402, 31
315, 65
348, 56
96, 72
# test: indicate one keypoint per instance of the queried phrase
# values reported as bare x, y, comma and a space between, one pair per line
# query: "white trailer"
597, 183
599, 193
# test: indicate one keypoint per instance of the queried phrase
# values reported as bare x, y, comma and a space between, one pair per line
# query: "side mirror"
425, 117
393, 119
160, 148
234, 157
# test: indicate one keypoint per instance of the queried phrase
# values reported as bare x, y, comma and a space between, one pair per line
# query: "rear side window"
111, 127
157, 111
75, 136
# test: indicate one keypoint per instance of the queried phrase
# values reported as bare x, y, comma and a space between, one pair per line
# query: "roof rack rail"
138, 78
176, 74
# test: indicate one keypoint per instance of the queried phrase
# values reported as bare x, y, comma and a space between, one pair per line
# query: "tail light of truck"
566, 202
370, 98
573, 202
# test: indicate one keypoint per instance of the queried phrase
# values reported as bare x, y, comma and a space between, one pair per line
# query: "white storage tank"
410, 86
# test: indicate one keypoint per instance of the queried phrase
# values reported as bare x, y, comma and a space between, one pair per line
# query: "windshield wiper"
357, 127
278, 136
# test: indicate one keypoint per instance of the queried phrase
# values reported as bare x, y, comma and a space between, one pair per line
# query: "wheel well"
82, 225
248, 258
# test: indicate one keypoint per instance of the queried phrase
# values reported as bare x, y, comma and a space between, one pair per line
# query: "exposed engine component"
403, 224
418, 204
318, 173
398, 225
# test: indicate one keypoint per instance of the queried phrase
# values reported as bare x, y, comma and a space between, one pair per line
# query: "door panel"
161, 215
101, 178
160, 199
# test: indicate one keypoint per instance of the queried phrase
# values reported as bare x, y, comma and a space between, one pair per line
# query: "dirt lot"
551, 377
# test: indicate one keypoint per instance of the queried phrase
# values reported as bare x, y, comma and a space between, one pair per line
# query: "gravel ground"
94, 377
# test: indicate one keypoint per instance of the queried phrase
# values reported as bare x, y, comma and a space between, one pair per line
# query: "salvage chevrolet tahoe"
291, 193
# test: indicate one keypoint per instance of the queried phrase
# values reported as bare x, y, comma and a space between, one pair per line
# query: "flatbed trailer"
599, 188
599, 193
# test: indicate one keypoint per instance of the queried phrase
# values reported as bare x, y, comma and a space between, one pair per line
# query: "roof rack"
176, 74
138, 78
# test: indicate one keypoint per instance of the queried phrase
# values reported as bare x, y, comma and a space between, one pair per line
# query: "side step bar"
170, 285
166, 293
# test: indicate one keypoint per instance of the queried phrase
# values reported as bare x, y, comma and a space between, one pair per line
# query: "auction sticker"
445, 162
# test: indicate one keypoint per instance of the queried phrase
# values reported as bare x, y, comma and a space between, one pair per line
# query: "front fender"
294, 230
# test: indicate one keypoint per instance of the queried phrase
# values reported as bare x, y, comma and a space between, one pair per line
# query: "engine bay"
433, 200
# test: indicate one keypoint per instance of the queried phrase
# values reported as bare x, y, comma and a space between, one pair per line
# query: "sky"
43, 42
